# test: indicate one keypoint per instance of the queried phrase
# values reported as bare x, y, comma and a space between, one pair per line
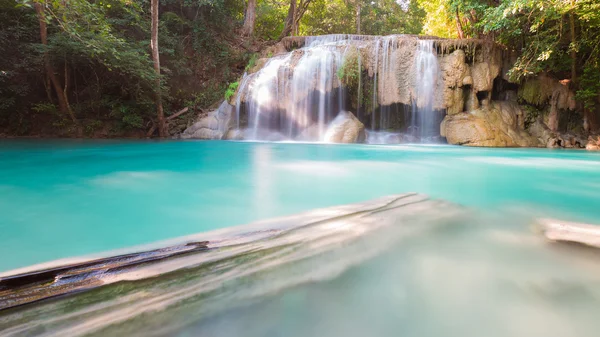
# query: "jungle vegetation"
137, 68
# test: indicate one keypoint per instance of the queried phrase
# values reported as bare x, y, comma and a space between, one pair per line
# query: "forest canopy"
85, 67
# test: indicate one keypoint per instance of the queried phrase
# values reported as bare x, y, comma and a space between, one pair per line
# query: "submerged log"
239, 252
37, 285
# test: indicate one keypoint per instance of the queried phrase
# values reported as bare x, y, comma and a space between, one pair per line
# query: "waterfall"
387, 76
297, 95
375, 85
427, 70
238, 100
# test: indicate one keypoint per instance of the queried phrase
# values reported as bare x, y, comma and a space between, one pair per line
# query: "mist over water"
469, 267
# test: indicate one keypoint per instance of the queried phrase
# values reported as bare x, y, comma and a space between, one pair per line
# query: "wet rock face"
214, 126
545, 90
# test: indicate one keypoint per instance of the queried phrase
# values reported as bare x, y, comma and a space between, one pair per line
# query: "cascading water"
297, 95
427, 72
294, 92
238, 101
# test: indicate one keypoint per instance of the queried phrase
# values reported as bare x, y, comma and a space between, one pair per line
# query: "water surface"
445, 270
66, 198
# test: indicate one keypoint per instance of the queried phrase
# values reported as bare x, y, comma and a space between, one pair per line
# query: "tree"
357, 12
472, 12
459, 26
573, 45
438, 21
295, 13
358, 7
289, 20
61, 92
250, 19
156, 60
377, 17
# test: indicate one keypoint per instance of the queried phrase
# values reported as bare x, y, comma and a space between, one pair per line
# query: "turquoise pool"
67, 198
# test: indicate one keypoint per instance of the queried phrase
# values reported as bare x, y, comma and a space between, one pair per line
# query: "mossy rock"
536, 91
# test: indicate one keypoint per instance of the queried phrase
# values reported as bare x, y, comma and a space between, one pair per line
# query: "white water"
427, 70
298, 94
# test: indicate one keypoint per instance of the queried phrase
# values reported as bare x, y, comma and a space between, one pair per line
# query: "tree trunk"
300, 10
61, 94
459, 27
573, 40
156, 59
248, 28
290, 20
358, 17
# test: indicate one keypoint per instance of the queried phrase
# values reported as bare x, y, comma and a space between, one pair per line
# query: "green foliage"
100, 50
541, 30
92, 126
380, 17
384, 17
231, 90
45, 108
558, 37
270, 18
438, 21
251, 62
349, 73
589, 92
353, 77
328, 17
100, 55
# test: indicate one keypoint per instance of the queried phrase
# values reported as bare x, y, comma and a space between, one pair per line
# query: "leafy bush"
251, 62
231, 90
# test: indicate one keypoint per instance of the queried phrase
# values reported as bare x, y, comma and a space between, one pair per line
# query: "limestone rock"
483, 75
553, 143
260, 63
345, 128
468, 80
592, 147
213, 126
454, 69
593, 144
235, 134
455, 74
467, 129
540, 131
497, 125
486, 68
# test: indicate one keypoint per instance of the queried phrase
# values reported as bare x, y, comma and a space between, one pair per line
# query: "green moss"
367, 93
531, 115
349, 74
535, 91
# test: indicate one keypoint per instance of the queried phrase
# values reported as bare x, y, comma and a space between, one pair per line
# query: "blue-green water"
66, 198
